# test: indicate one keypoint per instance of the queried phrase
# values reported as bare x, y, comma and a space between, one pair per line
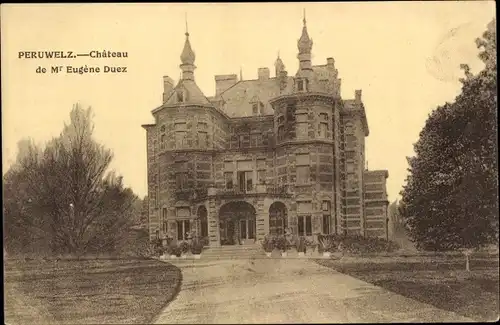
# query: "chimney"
263, 73
168, 85
357, 95
224, 81
330, 62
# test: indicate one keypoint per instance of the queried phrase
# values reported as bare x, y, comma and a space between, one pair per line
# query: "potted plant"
172, 250
184, 246
268, 245
301, 246
196, 248
281, 244
325, 245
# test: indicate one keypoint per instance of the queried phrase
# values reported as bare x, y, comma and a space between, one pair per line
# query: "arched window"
278, 219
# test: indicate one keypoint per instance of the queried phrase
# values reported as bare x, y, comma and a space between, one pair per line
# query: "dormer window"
180, 96
255, 109
300, 85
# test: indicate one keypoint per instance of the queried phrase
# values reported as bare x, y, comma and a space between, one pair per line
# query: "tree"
450, 197
64, 195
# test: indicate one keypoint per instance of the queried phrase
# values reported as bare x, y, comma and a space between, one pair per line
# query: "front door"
247, 231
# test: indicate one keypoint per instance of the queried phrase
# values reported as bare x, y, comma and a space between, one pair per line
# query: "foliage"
184, 247
268, 243
354, 244
174, 249
450, 199
280, 243
326, 243
197, 245
61, 199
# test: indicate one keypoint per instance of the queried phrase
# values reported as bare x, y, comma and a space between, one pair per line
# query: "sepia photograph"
250, 163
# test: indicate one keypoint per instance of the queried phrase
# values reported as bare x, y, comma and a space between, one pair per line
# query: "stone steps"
233, 252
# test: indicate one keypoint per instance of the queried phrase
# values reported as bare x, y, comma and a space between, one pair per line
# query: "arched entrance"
278, 218
237, 223
202, 215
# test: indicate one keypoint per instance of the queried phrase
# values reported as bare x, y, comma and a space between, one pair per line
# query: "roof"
238, 98
194, 94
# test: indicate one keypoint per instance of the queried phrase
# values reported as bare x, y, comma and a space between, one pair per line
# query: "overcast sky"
404, 56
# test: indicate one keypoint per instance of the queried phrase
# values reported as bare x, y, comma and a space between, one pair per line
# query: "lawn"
87, 291
438, 281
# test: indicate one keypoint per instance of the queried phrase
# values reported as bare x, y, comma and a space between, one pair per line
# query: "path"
286, 291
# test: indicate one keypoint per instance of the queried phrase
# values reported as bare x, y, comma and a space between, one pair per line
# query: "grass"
438, 281
87, 291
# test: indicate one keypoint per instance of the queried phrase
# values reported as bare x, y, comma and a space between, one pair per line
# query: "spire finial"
186, 19
241, 73
366, 164
304, 20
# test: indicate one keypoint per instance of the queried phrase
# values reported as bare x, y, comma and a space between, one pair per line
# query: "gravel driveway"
286, 291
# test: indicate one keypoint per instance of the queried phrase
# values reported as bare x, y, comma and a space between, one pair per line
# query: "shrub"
326, 243
184, 246
197, 246
281, 243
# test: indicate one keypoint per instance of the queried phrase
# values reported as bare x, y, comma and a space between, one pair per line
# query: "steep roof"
194, 94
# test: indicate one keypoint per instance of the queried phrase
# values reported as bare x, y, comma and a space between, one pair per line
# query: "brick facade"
261, 156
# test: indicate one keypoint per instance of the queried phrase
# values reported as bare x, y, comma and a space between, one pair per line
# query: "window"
181, 180
245, 181
261, 176
325, 207
241, 139
179, 139
303, 174
300, 85
180, 96
304, 226
204, 227
157, 234
323, 126
162, 141
281, 132
302, 126
255, 109
303, 169
202, 139
228, 180
165, 227
162, 129
164, 213
183, 229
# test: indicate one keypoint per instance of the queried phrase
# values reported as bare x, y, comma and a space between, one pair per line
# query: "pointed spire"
305, 43
241, 73
187, 58
279, 66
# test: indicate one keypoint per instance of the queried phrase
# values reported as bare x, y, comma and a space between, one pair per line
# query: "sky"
405, 56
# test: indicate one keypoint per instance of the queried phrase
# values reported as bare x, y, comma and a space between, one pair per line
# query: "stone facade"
262, 156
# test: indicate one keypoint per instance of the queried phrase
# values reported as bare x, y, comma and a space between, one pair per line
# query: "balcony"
257, 190
191, 194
